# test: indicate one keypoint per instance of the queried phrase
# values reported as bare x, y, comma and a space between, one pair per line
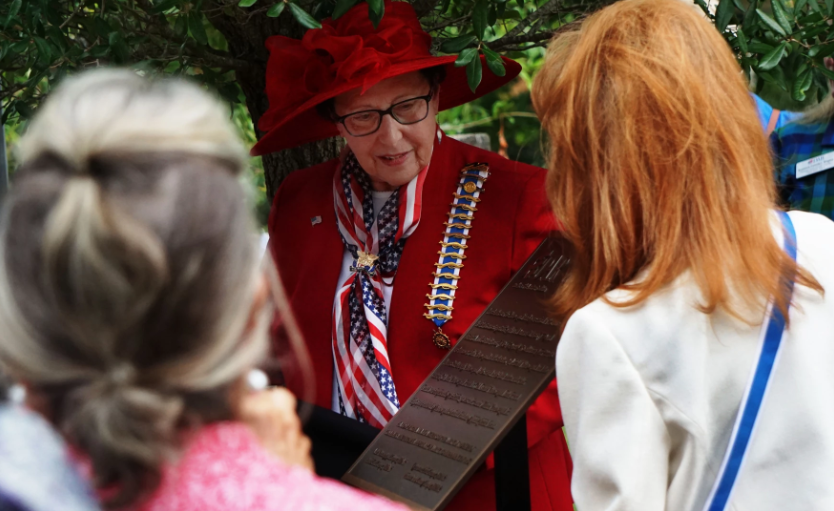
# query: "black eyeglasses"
367, 122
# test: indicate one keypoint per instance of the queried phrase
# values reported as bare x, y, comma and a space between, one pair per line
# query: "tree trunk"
246, 34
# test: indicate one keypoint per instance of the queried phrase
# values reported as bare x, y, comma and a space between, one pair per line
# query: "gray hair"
822, 112
128, 266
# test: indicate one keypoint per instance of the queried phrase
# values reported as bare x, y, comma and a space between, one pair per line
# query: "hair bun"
123, 375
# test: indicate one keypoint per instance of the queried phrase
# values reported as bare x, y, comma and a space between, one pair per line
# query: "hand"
271, 415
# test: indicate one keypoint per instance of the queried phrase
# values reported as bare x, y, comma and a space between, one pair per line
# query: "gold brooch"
366, 259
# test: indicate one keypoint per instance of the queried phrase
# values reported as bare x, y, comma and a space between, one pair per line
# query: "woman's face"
394, 154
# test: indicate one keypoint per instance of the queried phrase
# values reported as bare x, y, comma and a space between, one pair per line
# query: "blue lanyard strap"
749, 410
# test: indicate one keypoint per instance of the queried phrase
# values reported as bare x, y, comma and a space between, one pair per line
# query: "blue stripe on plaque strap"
453, 246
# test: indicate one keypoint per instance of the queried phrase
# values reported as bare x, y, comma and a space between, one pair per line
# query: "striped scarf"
360, 344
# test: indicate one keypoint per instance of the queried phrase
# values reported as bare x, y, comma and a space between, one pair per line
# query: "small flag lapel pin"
315, 220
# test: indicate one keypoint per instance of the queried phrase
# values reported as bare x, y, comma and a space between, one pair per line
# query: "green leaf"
815, 6
14, 8
44, 55
759, 47
815, 31
773, 58
742, 41
19, 47
276, 10
770, 23
57, 38
811, 18
797, 8
827, 72
801, 86
181, 26
829, 5
800, 70
165, 5
479, 18
723, 15
776, 77
494, 62
195, 26
323, 10
820, 82
342, 6
376, 9
99, 51
510, 14
466, 57
781, 79
822, 51
785, 5
749, 21
303, 18
457, 44
474, 73
24, 110
247, 3
492, 18
781, 16
118, 47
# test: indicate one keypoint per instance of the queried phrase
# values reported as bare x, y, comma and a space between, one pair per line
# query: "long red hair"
658, 164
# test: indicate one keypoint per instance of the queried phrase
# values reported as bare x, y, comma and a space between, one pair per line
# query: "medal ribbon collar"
453, 246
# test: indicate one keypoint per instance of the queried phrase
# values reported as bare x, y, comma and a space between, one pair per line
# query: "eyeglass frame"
389, 111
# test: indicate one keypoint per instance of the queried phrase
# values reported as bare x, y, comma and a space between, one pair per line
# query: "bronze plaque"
445, 431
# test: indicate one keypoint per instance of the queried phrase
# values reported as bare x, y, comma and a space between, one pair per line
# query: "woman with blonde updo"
133, 303
695, 367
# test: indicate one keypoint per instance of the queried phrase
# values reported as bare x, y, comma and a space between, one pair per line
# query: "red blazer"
512, 219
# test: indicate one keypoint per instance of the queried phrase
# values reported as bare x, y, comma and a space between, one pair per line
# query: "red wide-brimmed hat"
349, 53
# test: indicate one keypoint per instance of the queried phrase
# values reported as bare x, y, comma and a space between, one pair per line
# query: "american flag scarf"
360, 345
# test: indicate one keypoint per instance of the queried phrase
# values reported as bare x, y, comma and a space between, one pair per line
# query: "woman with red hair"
691, 294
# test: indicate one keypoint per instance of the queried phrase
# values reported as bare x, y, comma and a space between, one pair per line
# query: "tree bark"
246, 34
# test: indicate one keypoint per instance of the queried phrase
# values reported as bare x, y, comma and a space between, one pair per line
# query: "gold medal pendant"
441, 340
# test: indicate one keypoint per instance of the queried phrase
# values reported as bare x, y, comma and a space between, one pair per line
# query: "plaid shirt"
795, 143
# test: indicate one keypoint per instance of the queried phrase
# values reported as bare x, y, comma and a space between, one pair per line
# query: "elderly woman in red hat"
391, 252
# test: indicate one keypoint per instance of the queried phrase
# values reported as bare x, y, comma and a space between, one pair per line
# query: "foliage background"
780, 44
41, 41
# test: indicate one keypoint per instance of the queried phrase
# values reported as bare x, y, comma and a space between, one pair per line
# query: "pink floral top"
224, 468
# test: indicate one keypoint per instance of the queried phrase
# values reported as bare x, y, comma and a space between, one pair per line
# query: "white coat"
650, 395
